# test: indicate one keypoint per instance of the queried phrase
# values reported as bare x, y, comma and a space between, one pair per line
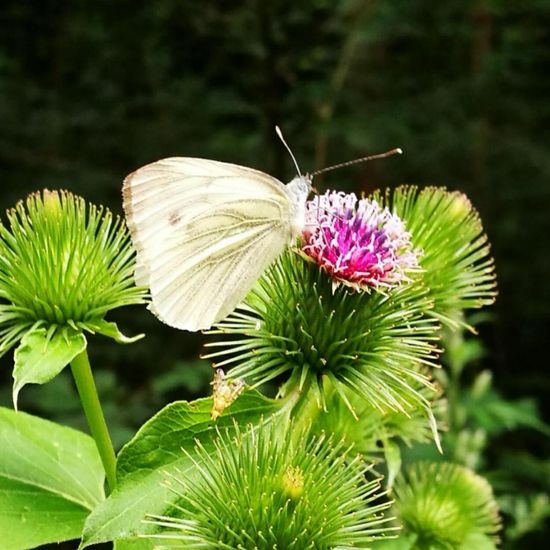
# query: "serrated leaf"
496, 414
527, 513
42, 355
51, 477
111, 330
144, 464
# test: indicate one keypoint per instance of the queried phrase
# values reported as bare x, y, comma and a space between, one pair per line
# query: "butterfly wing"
204, 233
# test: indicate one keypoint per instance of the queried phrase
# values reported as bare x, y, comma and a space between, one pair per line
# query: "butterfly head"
299, 188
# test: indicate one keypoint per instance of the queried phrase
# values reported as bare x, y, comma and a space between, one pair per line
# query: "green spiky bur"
62, 263
258, 489
380, 435
296, 323
443, 505
458, 267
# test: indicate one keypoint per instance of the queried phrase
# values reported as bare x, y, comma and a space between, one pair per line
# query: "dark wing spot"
174, 217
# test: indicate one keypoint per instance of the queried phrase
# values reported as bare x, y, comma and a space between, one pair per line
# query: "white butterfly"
205, 231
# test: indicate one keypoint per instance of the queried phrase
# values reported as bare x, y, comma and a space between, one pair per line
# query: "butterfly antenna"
280, 134
357, 161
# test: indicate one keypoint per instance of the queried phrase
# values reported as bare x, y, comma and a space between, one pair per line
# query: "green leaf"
134, 544
495, 414
110, 330
527, 513
42, 355
51, 477
145, 463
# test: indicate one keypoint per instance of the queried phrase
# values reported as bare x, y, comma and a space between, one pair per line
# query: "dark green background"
89, 91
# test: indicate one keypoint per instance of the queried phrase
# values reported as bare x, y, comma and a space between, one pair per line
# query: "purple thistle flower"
358, 243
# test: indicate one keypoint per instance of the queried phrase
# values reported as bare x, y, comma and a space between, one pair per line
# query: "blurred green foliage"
89, 91
491, 434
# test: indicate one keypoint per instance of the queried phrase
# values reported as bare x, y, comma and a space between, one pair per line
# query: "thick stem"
302, 407
293, 399
453, 342
87, 390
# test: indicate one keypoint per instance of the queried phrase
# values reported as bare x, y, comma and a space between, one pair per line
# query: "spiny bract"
256, 489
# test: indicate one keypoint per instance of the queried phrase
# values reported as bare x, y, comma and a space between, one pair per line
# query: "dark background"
89, 91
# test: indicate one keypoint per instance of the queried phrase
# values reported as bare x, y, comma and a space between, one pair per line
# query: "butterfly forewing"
204, 232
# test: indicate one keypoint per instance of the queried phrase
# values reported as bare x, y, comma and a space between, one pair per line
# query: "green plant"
347, 325
63, 266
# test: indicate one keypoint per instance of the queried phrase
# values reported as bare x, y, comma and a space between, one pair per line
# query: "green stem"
305, 409
453, 392
87, 390
454, 342
295, 399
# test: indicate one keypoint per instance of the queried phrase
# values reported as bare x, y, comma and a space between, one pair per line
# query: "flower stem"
87, 390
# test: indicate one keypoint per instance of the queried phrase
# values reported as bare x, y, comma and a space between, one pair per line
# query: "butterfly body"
298, 189
205, 231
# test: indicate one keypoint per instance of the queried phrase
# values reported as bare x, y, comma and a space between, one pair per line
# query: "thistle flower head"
302, 322
258, 490
447, 506
357, 242
296, 323
62, 263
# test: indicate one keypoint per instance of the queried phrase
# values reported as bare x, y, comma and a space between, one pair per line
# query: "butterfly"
204, 232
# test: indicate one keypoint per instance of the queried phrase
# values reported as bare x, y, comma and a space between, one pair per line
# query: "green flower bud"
62, 264
257, 489
446, 506
458, 267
